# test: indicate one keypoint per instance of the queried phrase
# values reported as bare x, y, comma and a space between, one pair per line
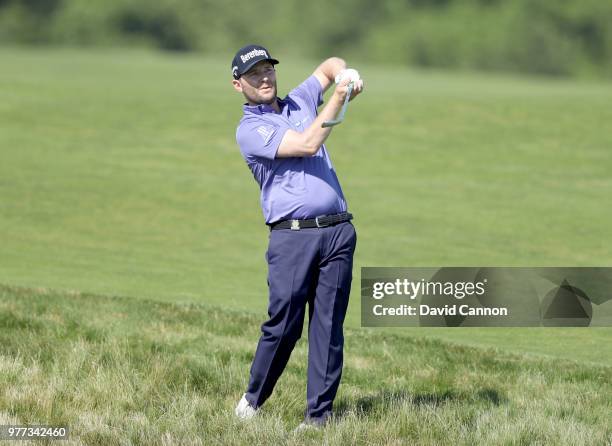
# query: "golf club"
340, 116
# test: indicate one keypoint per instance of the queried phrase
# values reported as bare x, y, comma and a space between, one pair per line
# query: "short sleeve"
311, 92
259, 138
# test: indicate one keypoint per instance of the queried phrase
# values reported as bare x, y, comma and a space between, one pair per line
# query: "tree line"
554, 37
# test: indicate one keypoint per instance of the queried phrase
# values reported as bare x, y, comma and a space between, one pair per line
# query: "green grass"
135, 371
120, 175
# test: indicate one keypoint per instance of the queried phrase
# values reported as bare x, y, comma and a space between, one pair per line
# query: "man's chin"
263, 99
268, 99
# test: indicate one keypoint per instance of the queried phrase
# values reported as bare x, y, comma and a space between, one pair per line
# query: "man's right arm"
307, 143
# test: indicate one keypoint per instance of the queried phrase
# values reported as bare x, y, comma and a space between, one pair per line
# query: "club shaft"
340, 117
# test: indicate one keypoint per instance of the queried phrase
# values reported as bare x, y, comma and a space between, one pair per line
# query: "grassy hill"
120, 175
117, 370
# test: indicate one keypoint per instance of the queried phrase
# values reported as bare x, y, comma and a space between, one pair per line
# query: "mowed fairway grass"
120, 176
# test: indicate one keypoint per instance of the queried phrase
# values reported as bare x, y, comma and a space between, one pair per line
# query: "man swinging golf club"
312, 241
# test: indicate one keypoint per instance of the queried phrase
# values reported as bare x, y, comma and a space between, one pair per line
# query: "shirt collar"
264, 108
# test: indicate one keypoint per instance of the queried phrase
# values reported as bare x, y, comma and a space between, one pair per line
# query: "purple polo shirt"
298, 187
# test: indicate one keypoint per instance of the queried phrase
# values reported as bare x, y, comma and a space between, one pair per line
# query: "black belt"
319, 222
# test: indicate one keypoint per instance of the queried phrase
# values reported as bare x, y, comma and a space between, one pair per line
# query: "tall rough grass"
130, 371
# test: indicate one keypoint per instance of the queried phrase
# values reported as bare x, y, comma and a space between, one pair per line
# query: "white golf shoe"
308, 425
303, 427
244, 410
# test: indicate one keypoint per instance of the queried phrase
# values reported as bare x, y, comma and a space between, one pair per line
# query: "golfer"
312, 241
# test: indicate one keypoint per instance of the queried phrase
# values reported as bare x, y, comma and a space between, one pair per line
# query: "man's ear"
237, 85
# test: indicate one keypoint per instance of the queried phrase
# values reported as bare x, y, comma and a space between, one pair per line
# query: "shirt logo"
266, 132
248, 56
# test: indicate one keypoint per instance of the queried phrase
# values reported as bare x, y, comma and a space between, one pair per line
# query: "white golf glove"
350, 73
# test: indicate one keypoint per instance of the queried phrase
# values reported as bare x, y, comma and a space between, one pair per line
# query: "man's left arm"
326, 72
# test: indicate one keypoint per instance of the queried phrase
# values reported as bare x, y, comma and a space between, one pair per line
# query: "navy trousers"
314, 267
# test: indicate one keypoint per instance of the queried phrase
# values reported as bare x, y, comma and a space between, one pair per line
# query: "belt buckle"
295, 225
320, 225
